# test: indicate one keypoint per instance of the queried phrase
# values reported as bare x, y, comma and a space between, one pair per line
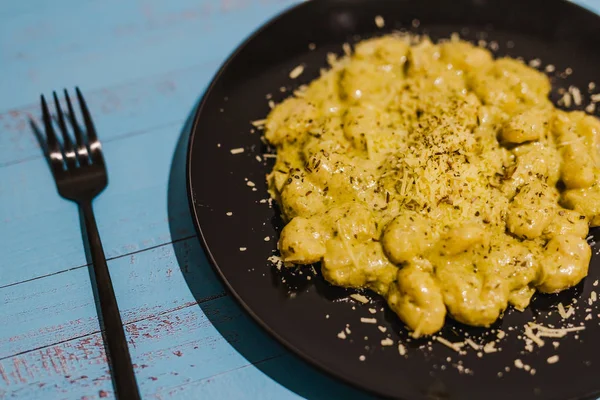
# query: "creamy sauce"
438, 177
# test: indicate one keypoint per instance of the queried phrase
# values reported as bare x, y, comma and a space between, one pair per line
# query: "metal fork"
80, 175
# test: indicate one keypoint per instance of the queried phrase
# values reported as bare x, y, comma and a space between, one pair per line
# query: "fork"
80, 175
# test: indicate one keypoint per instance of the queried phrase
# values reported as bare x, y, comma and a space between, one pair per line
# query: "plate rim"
190, 196
332, 373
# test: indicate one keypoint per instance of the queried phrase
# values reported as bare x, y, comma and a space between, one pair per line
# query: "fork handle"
122, 368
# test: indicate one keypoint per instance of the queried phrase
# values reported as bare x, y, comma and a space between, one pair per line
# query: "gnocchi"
438, 177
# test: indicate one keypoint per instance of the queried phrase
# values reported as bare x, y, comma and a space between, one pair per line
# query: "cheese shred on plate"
409, 165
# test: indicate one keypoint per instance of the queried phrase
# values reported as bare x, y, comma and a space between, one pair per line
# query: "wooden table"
142, 66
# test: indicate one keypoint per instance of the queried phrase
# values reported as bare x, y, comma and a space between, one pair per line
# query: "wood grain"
142, 65
185, 340
61, 307
97, 44
131, 213
178, 346
129, 109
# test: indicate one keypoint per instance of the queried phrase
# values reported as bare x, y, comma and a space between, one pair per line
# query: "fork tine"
82, 150
67, 142
93, 142
87, 118
54, 152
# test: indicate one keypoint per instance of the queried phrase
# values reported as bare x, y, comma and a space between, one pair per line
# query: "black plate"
307, 314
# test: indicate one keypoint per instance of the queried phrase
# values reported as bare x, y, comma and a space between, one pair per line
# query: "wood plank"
61, 307
157, 291
123, 110
206, 349
132, 213
181, 350
101, 43
169, 350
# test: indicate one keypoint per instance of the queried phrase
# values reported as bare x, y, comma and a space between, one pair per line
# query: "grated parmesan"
490, 347
360, 298
454, 346
535, 63
591, 108
296, 72
401, 349
259, 122
474, 345
552, 360
368, 320
237, 151
347, 49
565, 100
544, 331
276, 261
529, 333
576, 93
387, 342
565, 313
379, 21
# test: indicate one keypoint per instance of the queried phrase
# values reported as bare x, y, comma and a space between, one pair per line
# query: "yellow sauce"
438, 177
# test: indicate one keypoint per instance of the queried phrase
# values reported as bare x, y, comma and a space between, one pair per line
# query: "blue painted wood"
96, 44
142, 66
122, 110
132, 213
